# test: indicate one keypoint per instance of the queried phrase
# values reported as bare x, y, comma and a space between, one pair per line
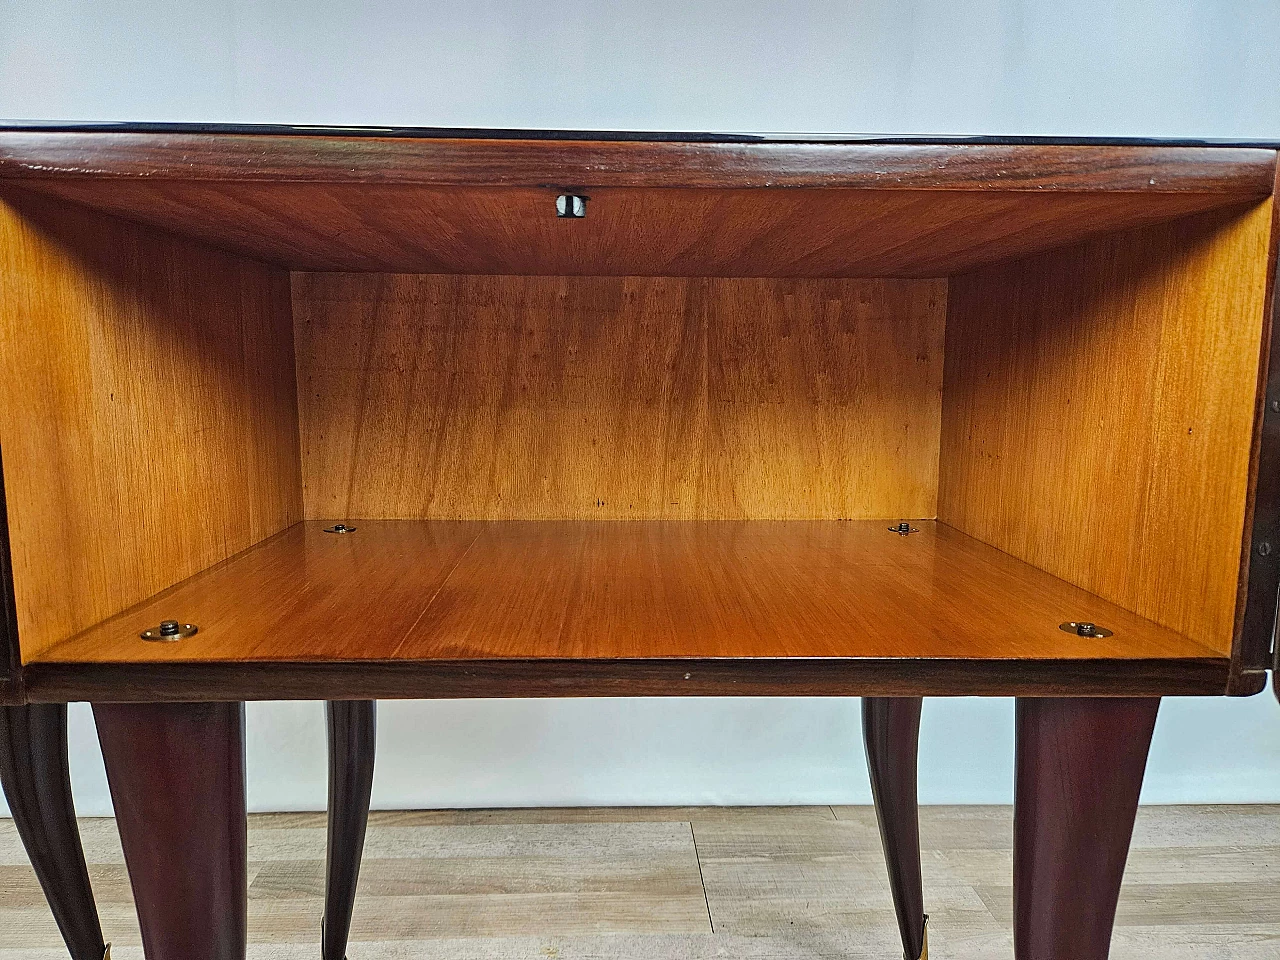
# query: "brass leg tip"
924, 950
106, 954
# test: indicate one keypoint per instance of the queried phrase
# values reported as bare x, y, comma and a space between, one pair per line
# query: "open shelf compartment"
673, 433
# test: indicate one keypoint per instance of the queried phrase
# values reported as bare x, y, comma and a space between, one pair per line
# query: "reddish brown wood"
1079, 772
352, 741
176, 773
891, 729
677, 676
458, 161
37, 784
628, 231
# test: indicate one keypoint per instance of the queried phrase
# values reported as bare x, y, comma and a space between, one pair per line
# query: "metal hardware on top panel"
170, 630
339, 528
904, 528
571, 206
1084, 628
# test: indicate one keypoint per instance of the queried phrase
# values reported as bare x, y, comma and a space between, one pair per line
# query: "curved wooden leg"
352, 737
33, 769
891, 728
1079, 771
176, 772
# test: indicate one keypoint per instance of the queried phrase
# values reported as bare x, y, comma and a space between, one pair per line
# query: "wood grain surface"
177, 778
455, 161
696, 883
437, 397
959, 676
1079, 769
1098, 413
876, 231
147, 412
1251, 656
622, 590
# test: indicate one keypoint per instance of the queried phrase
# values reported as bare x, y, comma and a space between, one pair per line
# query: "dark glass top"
265, 129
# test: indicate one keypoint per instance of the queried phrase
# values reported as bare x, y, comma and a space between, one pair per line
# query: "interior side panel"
148, 409
1098, 411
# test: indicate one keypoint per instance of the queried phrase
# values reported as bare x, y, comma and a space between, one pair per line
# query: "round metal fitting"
1084, 628
339, 528
169, 631
903, 528
572, 206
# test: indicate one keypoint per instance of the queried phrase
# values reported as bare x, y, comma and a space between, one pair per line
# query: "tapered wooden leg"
1079, 771
176, 772
352, 737
891, 728
33, 769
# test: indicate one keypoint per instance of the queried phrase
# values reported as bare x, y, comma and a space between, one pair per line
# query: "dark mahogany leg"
891, 727
176, 772
1079, 771
33, 769
352, 737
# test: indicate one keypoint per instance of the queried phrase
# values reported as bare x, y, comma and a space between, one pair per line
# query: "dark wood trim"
176, 772
677, 136
1080, 764
891, 731
388, 680
352, 728
37, 783
10, 653
1239, 172
1260, 566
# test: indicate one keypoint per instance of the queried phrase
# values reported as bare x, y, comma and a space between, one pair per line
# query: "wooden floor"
689, 884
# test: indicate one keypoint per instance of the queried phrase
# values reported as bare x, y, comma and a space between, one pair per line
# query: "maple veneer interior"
756, 382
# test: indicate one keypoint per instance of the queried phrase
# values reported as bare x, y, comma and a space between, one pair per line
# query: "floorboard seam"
706, 898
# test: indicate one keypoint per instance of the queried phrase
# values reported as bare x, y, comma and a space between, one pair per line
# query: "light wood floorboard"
690, 883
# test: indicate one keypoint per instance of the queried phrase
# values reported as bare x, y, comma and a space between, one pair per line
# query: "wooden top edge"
456, 161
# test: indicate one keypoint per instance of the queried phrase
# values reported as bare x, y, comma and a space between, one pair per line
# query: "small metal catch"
169, 631
904, 528
339, 528
571, 205
1083, 628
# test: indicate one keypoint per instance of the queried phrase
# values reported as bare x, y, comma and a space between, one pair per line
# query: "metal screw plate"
904, 529
571, 206
1083, 628
339, 528
170, 631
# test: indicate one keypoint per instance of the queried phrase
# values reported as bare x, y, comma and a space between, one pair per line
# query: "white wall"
1183, 68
